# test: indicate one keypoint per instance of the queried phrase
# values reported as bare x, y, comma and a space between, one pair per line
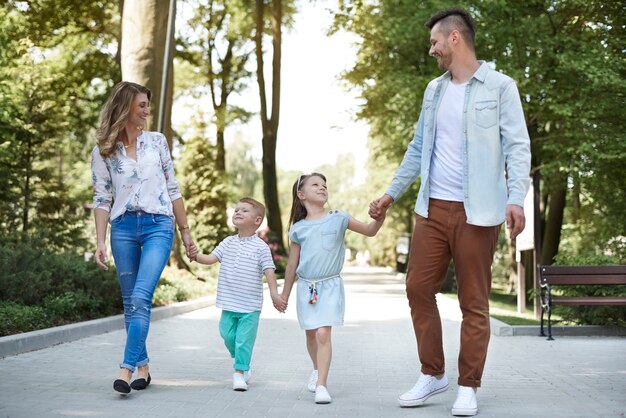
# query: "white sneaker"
247, 374
322, 395
239, 383
466, 404
425, 387
312, 381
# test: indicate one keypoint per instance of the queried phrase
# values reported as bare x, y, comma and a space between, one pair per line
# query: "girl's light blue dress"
322, 252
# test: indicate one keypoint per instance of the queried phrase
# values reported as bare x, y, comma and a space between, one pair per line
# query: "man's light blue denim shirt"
495, 138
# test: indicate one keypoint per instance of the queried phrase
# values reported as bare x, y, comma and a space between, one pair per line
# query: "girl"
316, 257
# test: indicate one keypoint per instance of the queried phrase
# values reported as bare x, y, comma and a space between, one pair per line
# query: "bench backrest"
583, 274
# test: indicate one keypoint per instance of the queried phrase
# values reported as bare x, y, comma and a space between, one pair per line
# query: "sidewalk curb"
36, 340
501, 329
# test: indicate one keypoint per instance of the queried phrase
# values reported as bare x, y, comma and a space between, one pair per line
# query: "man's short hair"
256, 205
454, 18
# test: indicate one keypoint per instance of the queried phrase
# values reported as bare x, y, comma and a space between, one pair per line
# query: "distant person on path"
471, 130
244, 259
136, 192
316, 256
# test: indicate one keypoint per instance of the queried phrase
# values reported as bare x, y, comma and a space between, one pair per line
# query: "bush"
180, 285
46, 289
590, 315
41, 289
16, 318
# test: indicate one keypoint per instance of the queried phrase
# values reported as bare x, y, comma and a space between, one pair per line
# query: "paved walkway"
374, 361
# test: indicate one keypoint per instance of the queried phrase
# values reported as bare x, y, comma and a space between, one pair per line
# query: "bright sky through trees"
317, 120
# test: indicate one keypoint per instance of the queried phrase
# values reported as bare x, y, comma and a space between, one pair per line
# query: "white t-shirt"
446, 166
240, 280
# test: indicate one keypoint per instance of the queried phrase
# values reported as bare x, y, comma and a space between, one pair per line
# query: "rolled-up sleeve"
101, 180
173, 190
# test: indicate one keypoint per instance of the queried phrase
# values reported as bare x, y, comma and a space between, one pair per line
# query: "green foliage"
55, 67
567, 59
16, 318
243, 170
569, 66
179, 285
204, 193
52, 289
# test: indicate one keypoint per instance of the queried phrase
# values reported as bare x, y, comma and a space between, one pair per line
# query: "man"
470, 130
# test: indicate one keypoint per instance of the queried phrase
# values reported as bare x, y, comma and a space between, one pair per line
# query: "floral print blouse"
122, 184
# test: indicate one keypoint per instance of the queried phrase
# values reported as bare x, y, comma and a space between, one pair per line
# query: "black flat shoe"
141, 384
121, 386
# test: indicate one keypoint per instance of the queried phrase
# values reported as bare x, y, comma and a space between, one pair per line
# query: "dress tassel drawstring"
312, 293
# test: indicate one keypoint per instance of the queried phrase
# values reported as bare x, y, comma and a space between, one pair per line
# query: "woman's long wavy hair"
298, 211
114, 114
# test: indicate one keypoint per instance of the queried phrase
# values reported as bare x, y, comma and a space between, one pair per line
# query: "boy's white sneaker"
425, 387
466, 404
239, 383
322, 395
312, 385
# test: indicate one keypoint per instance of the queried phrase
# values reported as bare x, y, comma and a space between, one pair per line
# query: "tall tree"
274, 10
217, 47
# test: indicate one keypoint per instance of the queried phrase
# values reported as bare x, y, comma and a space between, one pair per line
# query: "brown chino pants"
443, 235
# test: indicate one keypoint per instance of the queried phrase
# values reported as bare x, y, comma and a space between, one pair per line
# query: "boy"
244, 259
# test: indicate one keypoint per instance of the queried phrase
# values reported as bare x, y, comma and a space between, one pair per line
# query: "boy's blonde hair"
256, 205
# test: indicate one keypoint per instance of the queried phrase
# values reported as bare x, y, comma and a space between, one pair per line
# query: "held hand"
515, 220
190, 246
101, 256
193, 252
279, 303
378, 208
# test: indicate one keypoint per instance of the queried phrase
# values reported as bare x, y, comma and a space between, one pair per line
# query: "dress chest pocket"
486, 113
329, 239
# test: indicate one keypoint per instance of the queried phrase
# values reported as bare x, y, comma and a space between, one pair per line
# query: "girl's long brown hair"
298, 211
114, 114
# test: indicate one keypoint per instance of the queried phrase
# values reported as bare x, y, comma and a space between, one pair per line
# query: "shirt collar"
479, 75
249, 238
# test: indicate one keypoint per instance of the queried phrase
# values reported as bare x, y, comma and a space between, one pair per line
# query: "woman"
136, 191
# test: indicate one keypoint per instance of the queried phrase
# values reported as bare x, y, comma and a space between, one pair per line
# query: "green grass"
515, 320
503, 306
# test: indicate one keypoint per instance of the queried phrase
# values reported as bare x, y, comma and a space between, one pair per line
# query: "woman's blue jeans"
141, 244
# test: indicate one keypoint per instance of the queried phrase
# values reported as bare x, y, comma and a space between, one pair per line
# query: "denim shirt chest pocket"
486, 113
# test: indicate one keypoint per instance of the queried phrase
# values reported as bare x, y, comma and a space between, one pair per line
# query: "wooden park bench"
578, 275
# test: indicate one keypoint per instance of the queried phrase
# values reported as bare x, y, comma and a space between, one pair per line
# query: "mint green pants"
239, 333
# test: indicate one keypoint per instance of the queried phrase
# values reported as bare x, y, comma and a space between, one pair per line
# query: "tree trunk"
29, 170
220, 158
270, 126
554, 219
144, 31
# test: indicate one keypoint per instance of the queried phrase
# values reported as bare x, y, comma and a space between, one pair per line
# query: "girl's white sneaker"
312, 381
322, 395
